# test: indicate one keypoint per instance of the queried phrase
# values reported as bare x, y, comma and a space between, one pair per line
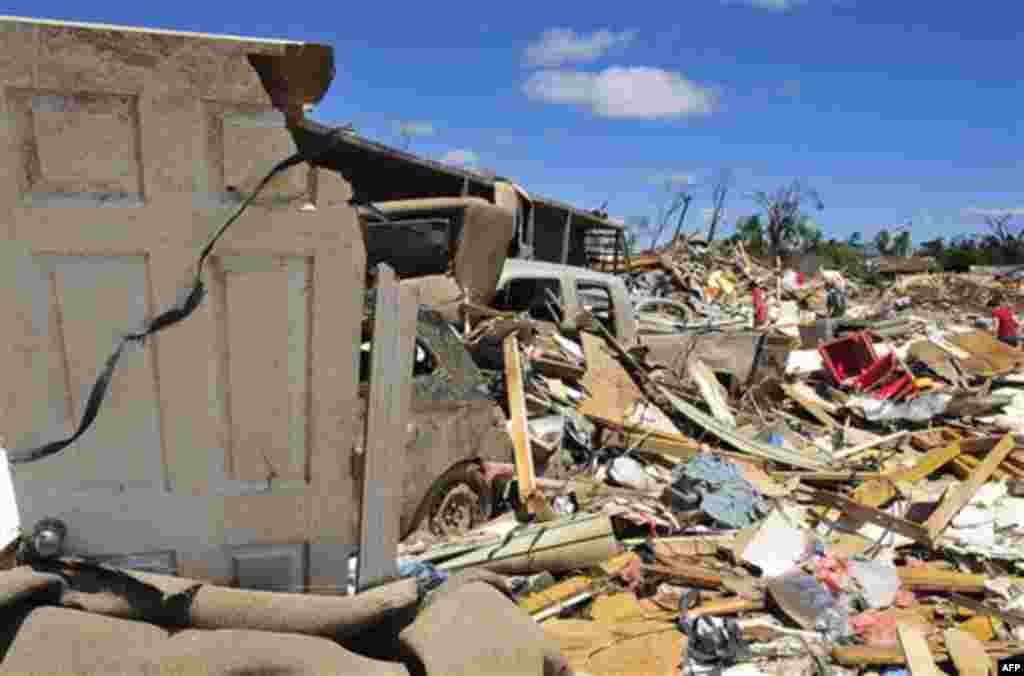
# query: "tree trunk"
682, 219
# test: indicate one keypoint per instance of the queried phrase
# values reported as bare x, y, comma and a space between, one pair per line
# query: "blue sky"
893, 111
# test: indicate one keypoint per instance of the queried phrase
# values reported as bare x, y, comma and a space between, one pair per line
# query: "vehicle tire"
457, 502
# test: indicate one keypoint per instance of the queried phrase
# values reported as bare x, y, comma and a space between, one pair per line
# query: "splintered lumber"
711, 390
919, 654
868, 514
968, 604
959, 496
726, 433
882, 490
868, 445
697, 576
571, 543
517, 419
616, 401
930, 578
968, 653
531, 498
800, 395
732, 437
391, 362
556, 594
729, 606
873, 655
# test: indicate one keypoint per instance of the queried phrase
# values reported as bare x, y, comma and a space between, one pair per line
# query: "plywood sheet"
615, 398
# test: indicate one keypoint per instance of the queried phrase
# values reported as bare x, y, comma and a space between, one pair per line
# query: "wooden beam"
529, 496
866, 446
868, 514
919, 654
930, 578
517, 418
698, 576
812, 407
394, 333
960, 495
711, 390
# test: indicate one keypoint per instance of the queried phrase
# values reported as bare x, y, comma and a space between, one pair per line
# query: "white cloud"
416, 128
979, 211
790, 89
770, 5
673, 180
460, 157
558, 46
621, 92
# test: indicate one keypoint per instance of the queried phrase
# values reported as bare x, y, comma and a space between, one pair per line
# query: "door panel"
224, 446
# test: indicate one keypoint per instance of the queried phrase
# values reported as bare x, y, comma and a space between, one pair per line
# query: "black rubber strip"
186, 304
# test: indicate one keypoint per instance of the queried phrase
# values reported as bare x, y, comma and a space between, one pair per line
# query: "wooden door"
223, 451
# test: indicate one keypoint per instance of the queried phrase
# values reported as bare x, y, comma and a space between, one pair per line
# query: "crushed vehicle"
743, 358
455, 430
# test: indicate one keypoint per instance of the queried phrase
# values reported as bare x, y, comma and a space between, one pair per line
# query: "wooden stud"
394, 333
919, 654
960, 495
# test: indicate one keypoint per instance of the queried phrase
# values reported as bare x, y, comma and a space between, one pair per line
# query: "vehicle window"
532, 296
597, 299
424, 362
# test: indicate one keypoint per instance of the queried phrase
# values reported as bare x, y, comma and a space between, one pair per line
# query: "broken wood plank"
919, 654
726, 433
968, 653
730, 436
875, 656
546, 598
809, 405
867, 514
959, 496
868, 655
391, 365
878, 492
531, 498
1009, 616
932, 461
711, 390
697, 576
571, 543
970, 463
867, 446
930, 578
827, 477
616, 400
729, 606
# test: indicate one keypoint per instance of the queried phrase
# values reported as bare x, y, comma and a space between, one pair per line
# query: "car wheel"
458, 502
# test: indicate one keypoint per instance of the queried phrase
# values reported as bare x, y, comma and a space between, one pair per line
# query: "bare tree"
784, 212
720, 190
687, 198
677, 201
1007, 235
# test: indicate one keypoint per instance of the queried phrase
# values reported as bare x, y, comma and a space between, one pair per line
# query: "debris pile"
859, 511
842, 493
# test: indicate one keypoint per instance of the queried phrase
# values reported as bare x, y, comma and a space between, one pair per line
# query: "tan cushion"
474, 629
62, 641
239, 653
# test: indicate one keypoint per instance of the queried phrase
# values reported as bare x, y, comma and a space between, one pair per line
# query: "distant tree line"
783, 227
